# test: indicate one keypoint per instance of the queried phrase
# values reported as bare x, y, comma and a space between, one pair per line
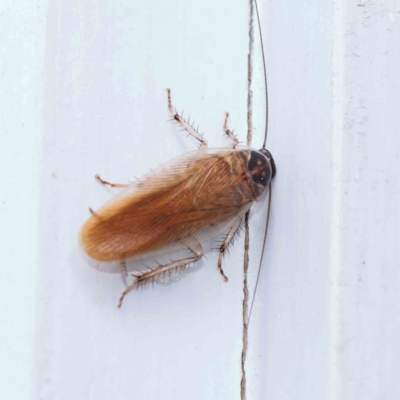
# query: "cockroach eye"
269, 156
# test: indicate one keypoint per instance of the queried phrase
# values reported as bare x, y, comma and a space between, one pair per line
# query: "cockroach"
192, 199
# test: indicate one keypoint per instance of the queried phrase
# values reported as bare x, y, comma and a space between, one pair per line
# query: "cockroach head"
271, 160
259, 168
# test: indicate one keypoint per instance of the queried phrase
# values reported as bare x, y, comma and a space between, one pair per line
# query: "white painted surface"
83, 92
22, 48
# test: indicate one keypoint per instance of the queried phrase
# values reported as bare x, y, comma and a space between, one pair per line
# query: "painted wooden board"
83, 92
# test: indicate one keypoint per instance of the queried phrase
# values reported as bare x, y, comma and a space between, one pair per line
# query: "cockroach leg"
229, 132
173, 266
185, 124
227, 241
97, 177
124, 271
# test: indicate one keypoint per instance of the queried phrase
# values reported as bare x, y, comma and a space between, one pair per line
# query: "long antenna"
262, 253
264, 144
265, 76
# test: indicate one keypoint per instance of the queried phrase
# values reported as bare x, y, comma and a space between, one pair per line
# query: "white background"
82, 91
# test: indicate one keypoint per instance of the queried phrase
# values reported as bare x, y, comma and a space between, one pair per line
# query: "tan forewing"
192, 196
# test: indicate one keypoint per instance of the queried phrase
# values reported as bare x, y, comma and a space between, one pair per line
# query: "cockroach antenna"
265, 77
264, 150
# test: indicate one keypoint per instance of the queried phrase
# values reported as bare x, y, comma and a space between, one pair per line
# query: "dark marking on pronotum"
259, 167
271, 160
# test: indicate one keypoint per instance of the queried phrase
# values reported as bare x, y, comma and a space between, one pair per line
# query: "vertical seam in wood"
245, 304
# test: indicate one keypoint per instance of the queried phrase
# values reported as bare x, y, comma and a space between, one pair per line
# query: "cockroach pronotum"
192, 199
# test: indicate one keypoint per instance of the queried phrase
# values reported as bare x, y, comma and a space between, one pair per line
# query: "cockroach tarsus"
230, 133
114, 185
189, 128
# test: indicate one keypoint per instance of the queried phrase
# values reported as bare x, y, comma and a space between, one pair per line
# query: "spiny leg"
196, 249
227, 241
185, 124
97, 177
124, 271
229, 132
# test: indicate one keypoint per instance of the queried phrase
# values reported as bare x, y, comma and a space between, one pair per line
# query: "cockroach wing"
194, 196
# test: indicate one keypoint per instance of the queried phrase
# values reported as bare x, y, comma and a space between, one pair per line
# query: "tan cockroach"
192, 199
